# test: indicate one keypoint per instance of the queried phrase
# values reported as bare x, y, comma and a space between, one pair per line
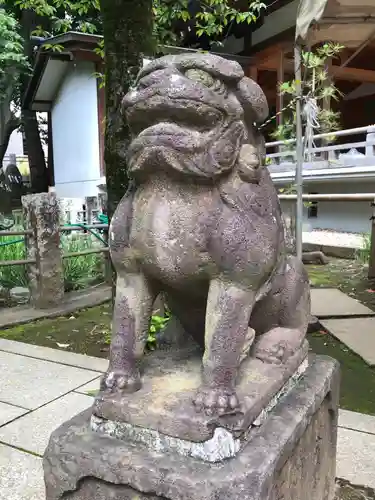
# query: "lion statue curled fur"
203, 225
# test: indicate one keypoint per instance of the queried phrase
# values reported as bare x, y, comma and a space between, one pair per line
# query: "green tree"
316, 88
135, 28
12, 63
39, 18
165, 22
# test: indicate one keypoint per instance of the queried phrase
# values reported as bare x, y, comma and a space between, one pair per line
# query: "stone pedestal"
290, 455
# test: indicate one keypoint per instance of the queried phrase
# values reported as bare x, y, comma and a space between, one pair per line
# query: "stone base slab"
222, 445
291, 455
171, 379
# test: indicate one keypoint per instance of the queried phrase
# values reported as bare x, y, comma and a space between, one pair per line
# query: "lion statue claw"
203, 225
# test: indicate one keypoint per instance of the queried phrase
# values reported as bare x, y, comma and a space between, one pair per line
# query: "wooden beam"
271, 53
338, 73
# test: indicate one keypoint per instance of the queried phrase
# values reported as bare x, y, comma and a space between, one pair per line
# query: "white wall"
75, 133
349, 216
15, 145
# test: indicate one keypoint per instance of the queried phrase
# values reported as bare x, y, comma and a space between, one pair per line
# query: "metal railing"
331, 197
329, 150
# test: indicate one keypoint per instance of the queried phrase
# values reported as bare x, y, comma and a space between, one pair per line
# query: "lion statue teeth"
202, 224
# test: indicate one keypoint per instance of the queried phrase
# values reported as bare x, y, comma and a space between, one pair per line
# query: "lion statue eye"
200, 76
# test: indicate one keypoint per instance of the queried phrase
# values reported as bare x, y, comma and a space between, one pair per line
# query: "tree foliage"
316, 86
209, 18
12, 58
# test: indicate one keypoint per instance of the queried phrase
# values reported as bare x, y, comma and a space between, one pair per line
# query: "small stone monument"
11, 191
240, 411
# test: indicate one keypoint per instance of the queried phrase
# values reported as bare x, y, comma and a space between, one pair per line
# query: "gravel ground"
333, 238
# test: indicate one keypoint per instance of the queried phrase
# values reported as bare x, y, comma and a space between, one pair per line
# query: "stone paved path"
332, 303
346, 319
40, 388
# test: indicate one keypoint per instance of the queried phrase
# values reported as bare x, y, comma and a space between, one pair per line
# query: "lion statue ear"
253, 101
255, 106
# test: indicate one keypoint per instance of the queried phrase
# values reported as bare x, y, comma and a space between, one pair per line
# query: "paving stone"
330, 302
32, 431
357, 333
56, 355
356, 457
9, 412
357, 421
90, 388
21, 475
30, 383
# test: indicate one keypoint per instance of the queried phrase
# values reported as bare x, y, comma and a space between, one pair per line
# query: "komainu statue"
202, 224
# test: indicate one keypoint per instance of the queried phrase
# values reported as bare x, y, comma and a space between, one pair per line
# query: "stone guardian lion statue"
203, 225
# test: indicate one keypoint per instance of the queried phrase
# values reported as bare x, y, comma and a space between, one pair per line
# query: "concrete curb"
74, 301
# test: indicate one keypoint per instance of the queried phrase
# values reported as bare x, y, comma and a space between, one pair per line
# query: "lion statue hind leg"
280, 319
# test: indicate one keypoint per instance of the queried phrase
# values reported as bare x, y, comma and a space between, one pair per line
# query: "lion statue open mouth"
203, 225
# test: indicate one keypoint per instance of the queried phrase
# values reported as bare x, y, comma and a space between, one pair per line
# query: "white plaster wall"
349, 216
15, 145
75, 133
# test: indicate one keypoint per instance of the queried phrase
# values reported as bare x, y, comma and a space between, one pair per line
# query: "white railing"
331, 150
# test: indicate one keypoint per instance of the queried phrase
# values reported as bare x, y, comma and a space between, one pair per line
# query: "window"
312, 210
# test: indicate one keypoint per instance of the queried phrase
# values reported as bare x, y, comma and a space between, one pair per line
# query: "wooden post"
253, 73
371, 264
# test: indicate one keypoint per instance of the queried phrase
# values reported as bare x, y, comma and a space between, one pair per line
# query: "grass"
12, 276
349, 276
363, 255
79, 272
357, 391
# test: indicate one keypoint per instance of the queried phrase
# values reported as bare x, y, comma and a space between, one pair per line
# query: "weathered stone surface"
19, 295
292, 453
46, 278
164, 401
20, 475
224, 443
202, 224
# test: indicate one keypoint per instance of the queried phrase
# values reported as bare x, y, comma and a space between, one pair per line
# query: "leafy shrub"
11, 276
363, 254
82, 271
79, 272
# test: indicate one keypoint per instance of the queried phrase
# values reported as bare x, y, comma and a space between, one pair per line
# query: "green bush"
363, 254
79, 272
11, 276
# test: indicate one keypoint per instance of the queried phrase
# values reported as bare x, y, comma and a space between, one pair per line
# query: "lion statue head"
197, 115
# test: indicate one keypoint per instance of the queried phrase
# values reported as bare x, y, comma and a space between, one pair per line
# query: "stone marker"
238, 413
46, 277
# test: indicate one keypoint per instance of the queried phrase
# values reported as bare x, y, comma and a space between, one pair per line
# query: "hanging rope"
310, 112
